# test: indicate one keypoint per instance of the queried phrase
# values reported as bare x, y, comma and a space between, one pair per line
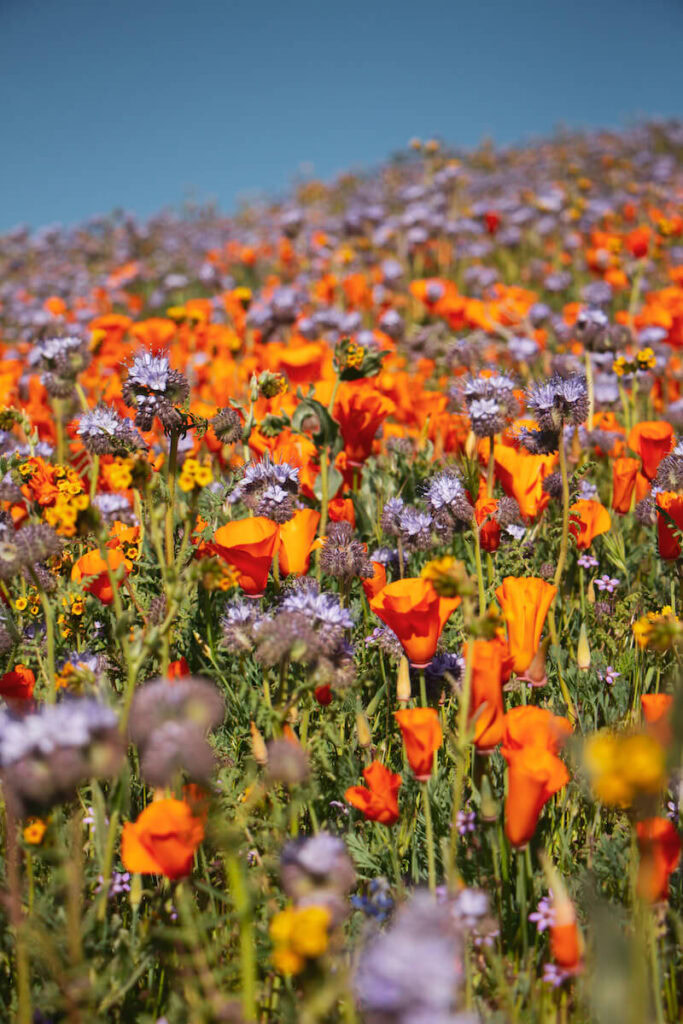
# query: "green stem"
490, 468
480, 572
172, 466
49, 637
591, 389
565, 514
429, 829
242, 906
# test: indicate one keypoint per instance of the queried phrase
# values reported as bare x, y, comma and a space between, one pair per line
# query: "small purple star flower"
544, 915
611, 675
466, 822
587, 562
606, 583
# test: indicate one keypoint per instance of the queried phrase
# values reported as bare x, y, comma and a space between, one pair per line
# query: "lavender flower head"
559, 401
104, 432
152, 388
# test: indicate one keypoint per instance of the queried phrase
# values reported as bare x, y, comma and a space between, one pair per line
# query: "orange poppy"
669, 506
17, 684
296, 541
486, 695
248, 545
360, 410
415, 612
422, 737
163, 840
521, 476
587, 520
534, 775
624, 473
530, 726
660, 850
341, 509
178, 669
373, 584
525, 601
485, 514
566, 944
657, 708
93, 565
378, 799
652, 440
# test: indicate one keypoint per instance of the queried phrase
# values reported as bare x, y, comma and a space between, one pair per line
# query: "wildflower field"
341, 571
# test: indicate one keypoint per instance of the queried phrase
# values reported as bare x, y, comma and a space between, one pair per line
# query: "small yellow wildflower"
21, 604
34, 831
624, 767
299, 934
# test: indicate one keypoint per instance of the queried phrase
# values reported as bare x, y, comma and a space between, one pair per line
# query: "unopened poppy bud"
135, 894
583, 651
363, 730
536, 672
403, 682
471, 445
258, 746
590, 593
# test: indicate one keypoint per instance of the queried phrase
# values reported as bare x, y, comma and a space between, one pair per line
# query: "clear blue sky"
134, 103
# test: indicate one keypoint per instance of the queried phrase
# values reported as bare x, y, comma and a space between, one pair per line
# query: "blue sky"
139, 103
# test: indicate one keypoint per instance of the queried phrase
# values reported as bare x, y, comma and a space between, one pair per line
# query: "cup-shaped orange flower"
248, 545
91, 569
534, 775
624, 474
652, 440
163, 840
657, 708
422, 737
489, 528
296, 541
486, 694
529, 726
566, 944
525, 601
669, 507
18, 684
360, 410
660, 851
521, 476
416, 613
587, 520
378, 799
378, 581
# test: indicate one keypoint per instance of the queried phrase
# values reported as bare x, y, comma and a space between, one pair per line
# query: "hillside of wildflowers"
341, 570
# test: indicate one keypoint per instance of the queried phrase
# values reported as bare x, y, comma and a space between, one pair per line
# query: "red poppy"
17, 684
660, 851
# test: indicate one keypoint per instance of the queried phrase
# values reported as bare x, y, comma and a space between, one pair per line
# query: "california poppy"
624, 473
660, 850
378, 799
531, 726
525, 601
178, 669
92, 569
296, 541
17, 684
652, 440
248, 545
534, 774
521, 476
489, 528
587, 520
341, 509
163, 840
415, 612
422, 737
486, 694
373, 584
360, 410
657, 709
566, 944
669, 506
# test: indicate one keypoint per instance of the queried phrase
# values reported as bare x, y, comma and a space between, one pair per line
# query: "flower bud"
583, 651
363, 730
403, 681
258, 746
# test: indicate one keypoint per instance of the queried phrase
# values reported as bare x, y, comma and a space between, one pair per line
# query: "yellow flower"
34, 831
624, 767
21, 604
299, 934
